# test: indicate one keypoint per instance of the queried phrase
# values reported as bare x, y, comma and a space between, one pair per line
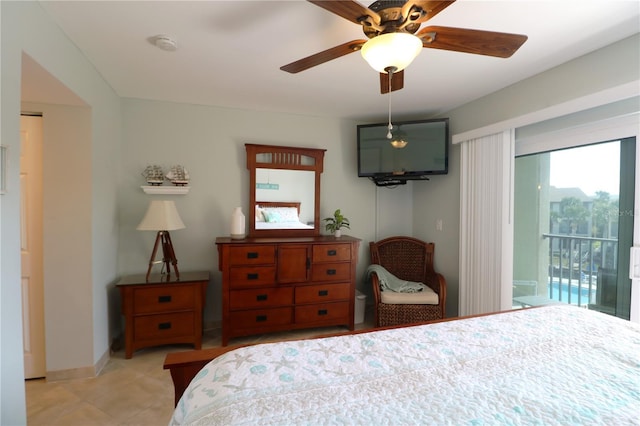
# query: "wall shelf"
165, 190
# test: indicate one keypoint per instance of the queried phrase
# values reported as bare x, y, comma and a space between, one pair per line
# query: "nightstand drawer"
152, 327
331, 272
252, 255
160, 309
163, 299
260, 298
322, 293
252, 276
322, 312
331, 252
261, 318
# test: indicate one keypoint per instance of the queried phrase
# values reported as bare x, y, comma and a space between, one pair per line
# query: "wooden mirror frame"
283, 158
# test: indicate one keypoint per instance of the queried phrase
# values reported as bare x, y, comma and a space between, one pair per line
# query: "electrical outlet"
439, 225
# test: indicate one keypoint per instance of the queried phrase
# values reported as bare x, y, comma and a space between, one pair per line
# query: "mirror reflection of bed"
283, 187
283, 174
282, 215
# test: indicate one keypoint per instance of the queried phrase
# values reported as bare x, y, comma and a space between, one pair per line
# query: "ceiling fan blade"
489, 43
324, 56
349, 10
397, 81
430, 6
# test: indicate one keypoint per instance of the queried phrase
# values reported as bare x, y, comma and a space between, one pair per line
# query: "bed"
557, 364
279, 215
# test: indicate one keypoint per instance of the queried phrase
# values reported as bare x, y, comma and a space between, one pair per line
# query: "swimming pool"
579, 294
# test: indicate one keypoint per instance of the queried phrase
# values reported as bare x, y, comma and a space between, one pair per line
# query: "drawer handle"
323, 293
322, 312
164, 299
164, 326
331, 252
261, 297
252, 255
261, 318
252, 276
331, 271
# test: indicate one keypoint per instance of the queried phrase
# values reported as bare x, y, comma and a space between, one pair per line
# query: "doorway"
571, 234
31, 245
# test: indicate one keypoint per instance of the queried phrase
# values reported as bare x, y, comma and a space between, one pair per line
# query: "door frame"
32, 247
627, 126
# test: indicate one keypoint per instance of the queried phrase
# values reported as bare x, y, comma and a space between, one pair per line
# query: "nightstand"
163, 310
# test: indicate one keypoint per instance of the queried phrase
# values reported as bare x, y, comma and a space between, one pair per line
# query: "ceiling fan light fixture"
398, 143
395, 50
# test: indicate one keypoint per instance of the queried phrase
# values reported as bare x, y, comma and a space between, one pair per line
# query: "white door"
31, 235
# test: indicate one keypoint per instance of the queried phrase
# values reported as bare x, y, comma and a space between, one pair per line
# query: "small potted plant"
335, 223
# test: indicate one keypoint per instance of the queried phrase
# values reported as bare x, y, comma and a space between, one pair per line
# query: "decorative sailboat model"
154, 175
178, 175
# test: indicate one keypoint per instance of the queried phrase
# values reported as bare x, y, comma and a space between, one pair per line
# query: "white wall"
26, 28
394, 210
209, 142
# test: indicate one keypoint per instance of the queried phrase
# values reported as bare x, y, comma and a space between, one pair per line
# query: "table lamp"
162, 216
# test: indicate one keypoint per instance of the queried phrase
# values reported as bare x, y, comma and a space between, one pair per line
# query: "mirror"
284, 190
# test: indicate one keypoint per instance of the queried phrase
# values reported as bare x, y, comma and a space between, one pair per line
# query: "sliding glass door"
573, 226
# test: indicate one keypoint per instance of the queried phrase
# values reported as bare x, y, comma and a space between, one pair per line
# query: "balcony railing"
582, 270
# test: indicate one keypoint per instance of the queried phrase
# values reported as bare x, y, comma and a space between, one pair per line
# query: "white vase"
337, 233
237, 224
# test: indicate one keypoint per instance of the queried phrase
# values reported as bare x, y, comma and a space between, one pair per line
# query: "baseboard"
79, 373
102, 362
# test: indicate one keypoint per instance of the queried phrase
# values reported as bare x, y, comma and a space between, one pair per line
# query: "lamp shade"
161, 215
396, 50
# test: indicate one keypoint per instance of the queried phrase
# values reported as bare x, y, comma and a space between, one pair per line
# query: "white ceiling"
229, 52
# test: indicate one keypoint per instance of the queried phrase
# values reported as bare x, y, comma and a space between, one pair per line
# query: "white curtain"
486, 223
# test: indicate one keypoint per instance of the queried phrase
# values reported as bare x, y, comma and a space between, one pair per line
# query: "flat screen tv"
417, 149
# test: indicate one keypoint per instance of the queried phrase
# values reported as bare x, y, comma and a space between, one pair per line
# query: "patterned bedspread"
552, 365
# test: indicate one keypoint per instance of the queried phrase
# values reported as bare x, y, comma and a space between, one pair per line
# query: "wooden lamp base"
168, 255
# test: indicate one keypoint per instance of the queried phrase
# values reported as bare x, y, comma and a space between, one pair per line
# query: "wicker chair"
409, 259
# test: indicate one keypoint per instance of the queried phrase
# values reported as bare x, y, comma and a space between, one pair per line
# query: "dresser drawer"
260, 298
286, 283
330, 272
152, 327
322, 293
252, 255
331, 252
163, 299
322, 312
258, 318
252, 276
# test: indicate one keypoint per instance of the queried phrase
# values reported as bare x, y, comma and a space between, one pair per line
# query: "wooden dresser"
275, 284
163, 310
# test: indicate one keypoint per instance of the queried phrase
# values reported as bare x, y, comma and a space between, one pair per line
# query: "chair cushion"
425, 297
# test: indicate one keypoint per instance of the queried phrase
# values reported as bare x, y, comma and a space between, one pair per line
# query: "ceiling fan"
393, 25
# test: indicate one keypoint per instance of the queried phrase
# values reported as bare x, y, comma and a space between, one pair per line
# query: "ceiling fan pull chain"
390, 127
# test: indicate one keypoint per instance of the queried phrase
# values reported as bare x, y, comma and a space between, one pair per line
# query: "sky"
591, 168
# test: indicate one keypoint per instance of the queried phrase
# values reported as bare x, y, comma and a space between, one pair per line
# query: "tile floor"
136, 391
